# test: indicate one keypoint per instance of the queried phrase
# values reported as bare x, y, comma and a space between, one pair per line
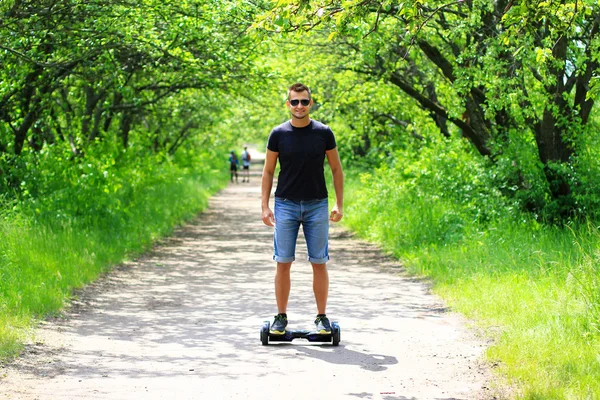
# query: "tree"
76, 72
496, 72
90, 62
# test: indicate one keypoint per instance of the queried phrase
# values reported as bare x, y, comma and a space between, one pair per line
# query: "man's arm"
266, 186
333, 157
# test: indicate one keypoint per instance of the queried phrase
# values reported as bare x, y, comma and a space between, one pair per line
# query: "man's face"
294, 103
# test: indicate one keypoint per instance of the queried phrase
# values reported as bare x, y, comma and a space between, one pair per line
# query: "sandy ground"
183, 322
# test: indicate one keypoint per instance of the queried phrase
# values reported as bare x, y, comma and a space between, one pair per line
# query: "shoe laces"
280, 318
321, 319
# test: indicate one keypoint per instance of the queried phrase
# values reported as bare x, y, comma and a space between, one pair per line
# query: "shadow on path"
183, 322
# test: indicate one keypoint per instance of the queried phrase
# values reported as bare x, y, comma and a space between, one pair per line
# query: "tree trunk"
117, 99
91, 102
478, 138
22, 130
124, 128
552, 147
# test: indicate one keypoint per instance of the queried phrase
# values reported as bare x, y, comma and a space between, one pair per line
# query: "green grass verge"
43, 259
534, 289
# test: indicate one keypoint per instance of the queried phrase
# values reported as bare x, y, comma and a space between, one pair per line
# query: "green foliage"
422, 190
532, 287
422, 187
585, 278
87, 80
505, 76
64, 238
115, 120
113, 128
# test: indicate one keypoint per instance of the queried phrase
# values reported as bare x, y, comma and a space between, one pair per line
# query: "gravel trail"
183, 322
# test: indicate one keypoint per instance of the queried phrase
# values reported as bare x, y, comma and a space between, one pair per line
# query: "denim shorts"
313, 215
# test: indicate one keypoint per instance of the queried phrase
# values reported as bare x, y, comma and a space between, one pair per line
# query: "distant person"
301, 145
233, 166
246, 164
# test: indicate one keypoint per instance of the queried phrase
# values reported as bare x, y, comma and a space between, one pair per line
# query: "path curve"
183, 321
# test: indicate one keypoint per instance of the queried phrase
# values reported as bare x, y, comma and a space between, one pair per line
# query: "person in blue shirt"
234, 162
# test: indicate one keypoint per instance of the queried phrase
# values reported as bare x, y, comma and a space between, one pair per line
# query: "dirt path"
183, 322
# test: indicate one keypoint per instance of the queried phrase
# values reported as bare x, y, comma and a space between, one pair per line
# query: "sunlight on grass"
533, 289
13, 330
42, 261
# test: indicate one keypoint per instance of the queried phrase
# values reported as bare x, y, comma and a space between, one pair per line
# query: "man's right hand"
268, 217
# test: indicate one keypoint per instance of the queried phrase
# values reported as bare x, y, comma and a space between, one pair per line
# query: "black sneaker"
323, 325
278, 325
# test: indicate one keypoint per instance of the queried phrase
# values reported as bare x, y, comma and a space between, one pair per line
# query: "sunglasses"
295, 102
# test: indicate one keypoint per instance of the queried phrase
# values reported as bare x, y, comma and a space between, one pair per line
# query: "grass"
43, 259
534, 289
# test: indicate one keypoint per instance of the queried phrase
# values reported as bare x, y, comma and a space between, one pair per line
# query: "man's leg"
284, 239
283, 285
316, 233
320, 286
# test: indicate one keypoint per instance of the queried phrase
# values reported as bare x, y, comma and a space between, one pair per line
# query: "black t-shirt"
301, 157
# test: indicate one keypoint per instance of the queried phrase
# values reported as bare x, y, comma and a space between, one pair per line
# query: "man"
246, 164
301, 145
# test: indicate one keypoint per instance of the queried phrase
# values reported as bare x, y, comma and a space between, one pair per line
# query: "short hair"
299, 87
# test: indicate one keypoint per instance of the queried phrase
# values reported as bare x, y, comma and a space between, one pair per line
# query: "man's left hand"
336, 214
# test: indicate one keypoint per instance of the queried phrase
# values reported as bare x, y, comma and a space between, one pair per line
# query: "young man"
301, 145
246, 164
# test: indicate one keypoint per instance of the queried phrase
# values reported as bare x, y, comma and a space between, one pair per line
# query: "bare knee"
284, 267
319, 267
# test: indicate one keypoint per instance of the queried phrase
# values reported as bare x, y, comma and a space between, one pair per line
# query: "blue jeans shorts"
313, 215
